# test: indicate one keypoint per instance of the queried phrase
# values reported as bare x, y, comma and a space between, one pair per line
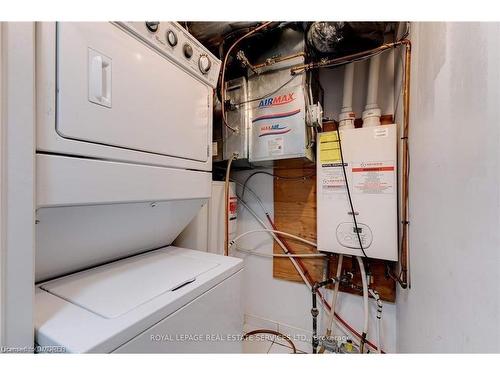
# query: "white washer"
171, 300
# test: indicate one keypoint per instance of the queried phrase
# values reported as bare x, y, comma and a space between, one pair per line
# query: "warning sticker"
329, 148
275, 146
332, 178
377, 177
233, 208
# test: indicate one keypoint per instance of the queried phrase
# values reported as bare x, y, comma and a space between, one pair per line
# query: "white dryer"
124, 132
120, 91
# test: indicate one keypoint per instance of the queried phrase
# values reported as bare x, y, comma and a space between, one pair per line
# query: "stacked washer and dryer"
124, 135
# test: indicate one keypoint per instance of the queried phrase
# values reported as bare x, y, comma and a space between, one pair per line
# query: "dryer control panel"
173, 41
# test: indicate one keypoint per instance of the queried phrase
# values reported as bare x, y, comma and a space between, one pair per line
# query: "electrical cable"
274, 175
356, 228
231, 34
259, 201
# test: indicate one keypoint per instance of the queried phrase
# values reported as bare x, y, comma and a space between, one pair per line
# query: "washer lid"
114, 289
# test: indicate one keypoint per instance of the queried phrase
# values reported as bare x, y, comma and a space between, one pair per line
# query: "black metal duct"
336, 39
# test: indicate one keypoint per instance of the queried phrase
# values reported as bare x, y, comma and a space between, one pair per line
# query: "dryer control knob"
171, 38
152, 26
188, 51
204, 64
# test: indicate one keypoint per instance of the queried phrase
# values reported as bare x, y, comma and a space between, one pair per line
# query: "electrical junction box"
370, 161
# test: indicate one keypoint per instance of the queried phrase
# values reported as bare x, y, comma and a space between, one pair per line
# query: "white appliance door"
116, 288
113, 89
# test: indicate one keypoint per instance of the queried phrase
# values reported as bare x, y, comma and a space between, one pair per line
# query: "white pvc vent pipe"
347, 116
371, 114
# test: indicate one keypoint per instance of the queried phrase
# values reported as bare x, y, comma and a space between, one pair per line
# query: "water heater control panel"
349, 235
174, 42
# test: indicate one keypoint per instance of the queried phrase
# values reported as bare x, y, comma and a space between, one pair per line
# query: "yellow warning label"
329, 148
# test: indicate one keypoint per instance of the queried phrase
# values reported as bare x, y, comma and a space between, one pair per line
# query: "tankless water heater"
370, 162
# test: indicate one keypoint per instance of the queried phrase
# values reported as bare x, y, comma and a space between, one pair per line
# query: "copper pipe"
404, 279
348, 58
272, 61
222, 83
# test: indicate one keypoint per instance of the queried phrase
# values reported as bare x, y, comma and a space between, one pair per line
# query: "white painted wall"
453, 304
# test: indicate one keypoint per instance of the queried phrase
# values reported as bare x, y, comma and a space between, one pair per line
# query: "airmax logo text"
273, 130
277, 100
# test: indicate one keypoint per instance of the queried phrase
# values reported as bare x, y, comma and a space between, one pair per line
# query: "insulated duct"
341, 38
